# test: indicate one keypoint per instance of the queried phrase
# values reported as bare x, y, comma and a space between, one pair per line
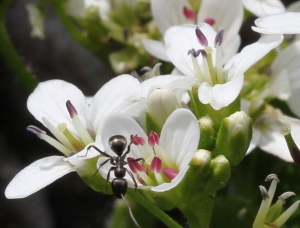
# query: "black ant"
118, 143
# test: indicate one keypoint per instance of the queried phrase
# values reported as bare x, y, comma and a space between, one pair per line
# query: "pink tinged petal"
36, 176
170, 173
180, 39
174, 182
189, 14
156, 49
122, 124
137, 140
49, 99
265, 7
220, 95
153, 138
117, 95
179, 138
251, 54
156, 165
284, 23
168, 13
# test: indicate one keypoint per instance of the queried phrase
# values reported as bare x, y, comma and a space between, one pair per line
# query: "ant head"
118, 144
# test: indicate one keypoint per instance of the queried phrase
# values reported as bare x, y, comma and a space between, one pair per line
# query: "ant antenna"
130, 212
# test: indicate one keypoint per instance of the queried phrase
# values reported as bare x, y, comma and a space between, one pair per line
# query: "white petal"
167, 186
284, 23
117, 95
180, 39
49, 100
158, 80
156, 48
293, 102
273, 142
121, 124
251, 54
281, 86
226, 17
167, 13
36, 176
262, 8
220, 95
179, 138
254, 140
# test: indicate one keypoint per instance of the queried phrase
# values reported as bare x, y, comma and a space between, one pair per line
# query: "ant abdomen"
119, 187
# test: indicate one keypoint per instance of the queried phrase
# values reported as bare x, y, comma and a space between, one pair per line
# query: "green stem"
10, 55
162, 216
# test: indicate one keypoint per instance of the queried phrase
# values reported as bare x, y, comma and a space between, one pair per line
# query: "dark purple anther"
194, 52
72, 111
203, 53
35, 130
219, 38
201, 37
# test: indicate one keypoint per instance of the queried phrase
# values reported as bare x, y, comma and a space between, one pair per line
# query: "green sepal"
219, 174
234, 138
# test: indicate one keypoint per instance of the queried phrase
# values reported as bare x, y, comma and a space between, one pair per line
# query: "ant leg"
132, 177
103, 163
136, 160
96, 148
108, 175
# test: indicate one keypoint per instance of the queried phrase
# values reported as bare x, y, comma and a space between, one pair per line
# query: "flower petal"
49, 100
167, 186
180, 39
262, 8
156, 49
251, 54
118, 95
36, 176
121, 124
179, 138
284, 23
167, 13
220, 95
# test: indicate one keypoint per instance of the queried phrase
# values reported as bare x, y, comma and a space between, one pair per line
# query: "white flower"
166, 158
262, 8
283, 23
219, 14
267, 133
218, 85
74, 126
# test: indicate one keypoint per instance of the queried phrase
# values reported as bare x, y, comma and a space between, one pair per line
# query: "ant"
118, 143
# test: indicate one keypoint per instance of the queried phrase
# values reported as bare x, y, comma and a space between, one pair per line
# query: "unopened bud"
161, 103
219, 174
234, 137
207, 132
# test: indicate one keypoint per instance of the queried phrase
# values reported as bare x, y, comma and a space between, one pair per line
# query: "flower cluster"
182, 131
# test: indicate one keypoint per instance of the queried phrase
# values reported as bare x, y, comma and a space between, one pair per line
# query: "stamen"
210, 21
264, 192
201, 37
189, 14
156, 165
170, 173
71, 109
80, 128
135, 166
137, 140
219, 38
206, 71
287, 214
58, 134
153, 138
285, 195
78, 145
272, 177
194, 52
146, 179
42, 135
198, 71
